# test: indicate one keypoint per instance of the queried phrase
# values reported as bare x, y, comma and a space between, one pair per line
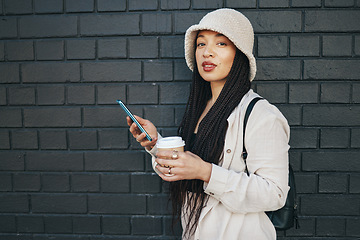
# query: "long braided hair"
210, 138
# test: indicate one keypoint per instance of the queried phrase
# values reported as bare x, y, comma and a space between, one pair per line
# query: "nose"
208, 52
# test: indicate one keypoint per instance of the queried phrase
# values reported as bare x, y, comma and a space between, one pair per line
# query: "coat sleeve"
266, 187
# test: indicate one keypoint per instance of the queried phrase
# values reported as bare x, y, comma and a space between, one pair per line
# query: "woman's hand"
182, 165
140, 136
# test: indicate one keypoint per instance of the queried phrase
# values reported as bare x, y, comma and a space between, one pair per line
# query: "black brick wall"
68, 166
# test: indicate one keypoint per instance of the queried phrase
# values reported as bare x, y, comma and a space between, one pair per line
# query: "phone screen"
134, 119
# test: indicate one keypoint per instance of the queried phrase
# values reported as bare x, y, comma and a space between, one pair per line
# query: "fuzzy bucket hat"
232, 24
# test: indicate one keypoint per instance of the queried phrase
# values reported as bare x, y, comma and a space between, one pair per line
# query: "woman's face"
214, 55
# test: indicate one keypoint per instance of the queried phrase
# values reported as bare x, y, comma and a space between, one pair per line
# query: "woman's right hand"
140, 136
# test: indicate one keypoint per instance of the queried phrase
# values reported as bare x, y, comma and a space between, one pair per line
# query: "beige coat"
236, 205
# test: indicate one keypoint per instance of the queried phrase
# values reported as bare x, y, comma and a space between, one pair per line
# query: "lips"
208, 66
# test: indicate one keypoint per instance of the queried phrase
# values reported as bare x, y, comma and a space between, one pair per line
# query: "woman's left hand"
185, 165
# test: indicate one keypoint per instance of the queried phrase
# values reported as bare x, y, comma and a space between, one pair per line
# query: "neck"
216, 88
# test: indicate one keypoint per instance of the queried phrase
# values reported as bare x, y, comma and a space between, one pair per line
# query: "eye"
222, 44
200, 44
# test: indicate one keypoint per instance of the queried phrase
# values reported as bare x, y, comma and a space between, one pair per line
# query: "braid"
210, 138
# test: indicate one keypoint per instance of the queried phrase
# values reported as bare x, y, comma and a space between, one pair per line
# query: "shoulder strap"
247, 114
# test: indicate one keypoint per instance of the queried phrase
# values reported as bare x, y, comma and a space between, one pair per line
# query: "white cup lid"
170, 142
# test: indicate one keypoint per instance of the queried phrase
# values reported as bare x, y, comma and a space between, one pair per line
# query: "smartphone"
134, 119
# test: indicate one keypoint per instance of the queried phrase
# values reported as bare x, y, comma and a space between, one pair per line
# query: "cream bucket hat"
232, 24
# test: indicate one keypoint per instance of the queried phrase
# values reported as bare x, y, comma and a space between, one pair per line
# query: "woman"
209, 189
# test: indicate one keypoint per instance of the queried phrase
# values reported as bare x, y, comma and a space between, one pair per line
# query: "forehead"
209, 33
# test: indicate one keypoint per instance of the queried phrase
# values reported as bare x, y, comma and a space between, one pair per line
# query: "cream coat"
236, 205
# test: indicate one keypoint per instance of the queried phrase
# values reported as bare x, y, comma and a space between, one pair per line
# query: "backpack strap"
247, 114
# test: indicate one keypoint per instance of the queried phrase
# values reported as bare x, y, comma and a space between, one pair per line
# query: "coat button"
228, 151
211, 193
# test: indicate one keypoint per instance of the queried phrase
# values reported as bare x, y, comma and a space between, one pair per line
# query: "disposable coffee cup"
170, 144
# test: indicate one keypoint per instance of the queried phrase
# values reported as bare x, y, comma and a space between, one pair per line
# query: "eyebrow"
217, 35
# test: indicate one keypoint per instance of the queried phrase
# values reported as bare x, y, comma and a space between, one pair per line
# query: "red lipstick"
208, 66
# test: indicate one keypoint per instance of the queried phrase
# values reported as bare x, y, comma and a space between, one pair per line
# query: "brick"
111, 5
306, 183
333, 183
2, 51
274, 4
158, 204
18, 7
3, 96
12, 161
59, 203
278, 69
58, 224
183, 20
79, 5
9, 73
354, 186
50, 95
304, 46
125, 24
330, 227
13, 118
335, 93
48, 6
335, 46
172, 47
331, 69
331, 161
55, 182
172, 230
113, 138
80, 49
207, 4
356, 93
328, 21
52, 117
307, 228
143, 5
7, 224
108, 94
86, 224
50, 72
145, 183
355, 138
14, 203
45, 26
50, 50
176, 93
26, 182
30, 224
304, 138
144, 47
104, 117
147, 225
241, 4
85, 182
179, 113
5, 185
274, 92
306, 3
160, 116
54, 161
331, 115
181, 71
21, 95
174, 4
8, 28
337, 3
303, 92
80, 95
115, 183
275, 21
329, 205
111, 71
156, 24
272, 46
116, 225
158, 71
24, 139
117, 204
335, 138
112, 48
352, 227
143, 94
20, 50
357, 45
114, 161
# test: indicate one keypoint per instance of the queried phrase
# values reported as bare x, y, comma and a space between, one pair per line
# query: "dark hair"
210, 138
